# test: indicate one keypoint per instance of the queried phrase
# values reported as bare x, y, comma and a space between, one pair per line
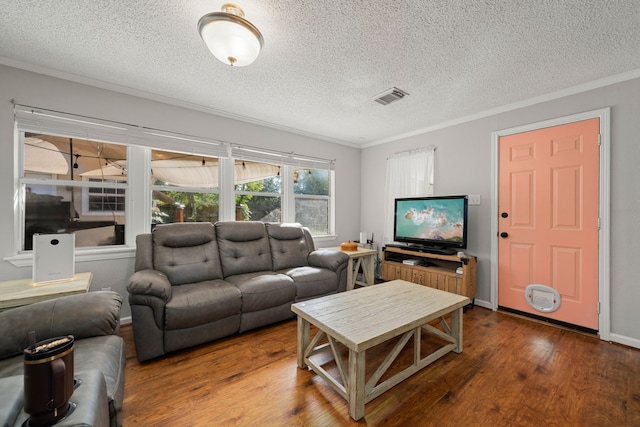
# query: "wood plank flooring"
513, 372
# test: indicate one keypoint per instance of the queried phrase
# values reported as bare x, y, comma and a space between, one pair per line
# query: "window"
69, 187
91, 177
409, 173
264, 199
258, 191
184, 188
312, 199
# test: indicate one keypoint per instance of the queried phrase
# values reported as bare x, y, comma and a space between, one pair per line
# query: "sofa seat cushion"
107, 354
263, 290
312, 281
199, 303
91, 400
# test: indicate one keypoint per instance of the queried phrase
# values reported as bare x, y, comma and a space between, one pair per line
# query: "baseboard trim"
624, 340
616, 338
483, 304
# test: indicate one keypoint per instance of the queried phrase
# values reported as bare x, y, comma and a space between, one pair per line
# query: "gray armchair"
99, 354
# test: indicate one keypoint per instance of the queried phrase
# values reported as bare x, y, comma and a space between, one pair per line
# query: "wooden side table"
15, 293
364, 257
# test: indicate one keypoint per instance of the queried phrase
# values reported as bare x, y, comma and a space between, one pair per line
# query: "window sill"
82, 255
25, 259
325, 238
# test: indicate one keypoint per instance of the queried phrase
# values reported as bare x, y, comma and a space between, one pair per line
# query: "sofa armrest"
329, 259
83, 316
150, 282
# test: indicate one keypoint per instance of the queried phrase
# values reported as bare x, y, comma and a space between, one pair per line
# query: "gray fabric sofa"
196, 282
99, 355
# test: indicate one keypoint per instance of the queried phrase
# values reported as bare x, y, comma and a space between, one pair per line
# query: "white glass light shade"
231, 38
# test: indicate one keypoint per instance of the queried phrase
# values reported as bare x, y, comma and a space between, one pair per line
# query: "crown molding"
595, 84
585, 87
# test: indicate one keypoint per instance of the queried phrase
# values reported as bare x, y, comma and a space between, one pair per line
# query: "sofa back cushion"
244, 247
144, 252
83, 316
311, 246
187, 252
289, 248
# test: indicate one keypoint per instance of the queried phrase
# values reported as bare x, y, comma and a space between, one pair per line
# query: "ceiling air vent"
390, 95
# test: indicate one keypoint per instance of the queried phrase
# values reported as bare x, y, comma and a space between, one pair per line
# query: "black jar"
48, 380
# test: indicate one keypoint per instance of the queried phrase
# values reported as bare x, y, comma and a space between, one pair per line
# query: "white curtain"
409, 174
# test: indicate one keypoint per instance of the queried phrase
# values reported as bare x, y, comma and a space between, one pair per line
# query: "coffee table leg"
369, 269
350, 276
456, 328
303, 340
355, 386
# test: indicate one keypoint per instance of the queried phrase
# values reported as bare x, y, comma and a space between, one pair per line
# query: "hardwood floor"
512, 372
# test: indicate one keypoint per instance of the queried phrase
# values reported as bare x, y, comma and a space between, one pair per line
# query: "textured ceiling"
324, 61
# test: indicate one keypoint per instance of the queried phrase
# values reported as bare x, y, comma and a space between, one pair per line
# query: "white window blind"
42, 121
280, 158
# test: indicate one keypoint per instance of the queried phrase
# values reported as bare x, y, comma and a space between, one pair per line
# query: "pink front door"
548, 219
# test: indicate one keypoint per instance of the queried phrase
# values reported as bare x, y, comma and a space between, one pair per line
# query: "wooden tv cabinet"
434, 270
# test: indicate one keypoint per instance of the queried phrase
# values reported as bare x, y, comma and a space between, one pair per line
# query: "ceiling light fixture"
231, 38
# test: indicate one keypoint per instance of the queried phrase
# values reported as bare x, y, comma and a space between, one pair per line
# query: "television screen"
432, 222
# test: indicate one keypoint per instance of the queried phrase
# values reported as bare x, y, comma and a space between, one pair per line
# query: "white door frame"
604, 318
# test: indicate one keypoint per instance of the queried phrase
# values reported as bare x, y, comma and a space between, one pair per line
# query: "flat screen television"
433, 224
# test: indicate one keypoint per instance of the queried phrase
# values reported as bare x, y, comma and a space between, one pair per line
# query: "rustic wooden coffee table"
363, 318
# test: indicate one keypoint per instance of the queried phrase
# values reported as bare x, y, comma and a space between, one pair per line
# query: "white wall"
463, 165
52, 93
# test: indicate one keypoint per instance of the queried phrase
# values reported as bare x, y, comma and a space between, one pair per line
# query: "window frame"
140, 142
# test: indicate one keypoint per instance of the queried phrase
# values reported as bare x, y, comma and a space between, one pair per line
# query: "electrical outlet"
474, 199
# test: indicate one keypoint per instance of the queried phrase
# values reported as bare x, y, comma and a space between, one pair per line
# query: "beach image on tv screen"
441, 219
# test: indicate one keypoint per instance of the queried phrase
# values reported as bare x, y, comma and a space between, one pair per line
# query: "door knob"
504, 215
504, 234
